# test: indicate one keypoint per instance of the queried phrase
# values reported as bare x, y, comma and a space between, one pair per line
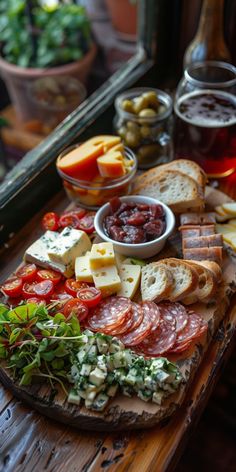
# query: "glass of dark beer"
205, 117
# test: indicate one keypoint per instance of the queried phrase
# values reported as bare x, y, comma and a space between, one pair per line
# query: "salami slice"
152, 310
135, 336
174, 313
178, 348
159, 342
109, 314
191, 329
133, 320
166, 315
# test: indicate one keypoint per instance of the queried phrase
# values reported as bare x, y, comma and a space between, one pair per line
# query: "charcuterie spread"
101, 325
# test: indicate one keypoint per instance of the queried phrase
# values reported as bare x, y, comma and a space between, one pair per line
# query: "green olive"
146, 113
145, 131
152, 99
161, 109
139, 104
127, 105
149, 153
132, 139
122, 131
132, 126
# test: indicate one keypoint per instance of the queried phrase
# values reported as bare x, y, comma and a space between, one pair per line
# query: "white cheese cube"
130, 279
37, 253
70, 244
82, 268
102, 255
107, 280
97, 376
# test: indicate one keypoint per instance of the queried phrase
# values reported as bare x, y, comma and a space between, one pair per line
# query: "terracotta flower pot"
17, 79
123, 16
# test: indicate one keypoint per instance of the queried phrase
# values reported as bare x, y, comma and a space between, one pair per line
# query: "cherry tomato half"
36, 300
87, 223
75, 307
49, 274
27, 272
90, 296
79, 212
69, 220
12, 287
50, 221
72, 286
38, 289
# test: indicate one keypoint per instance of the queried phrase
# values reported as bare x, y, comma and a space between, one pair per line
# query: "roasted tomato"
50, 221
87, 223
12, 287
27, 272
77, 308
38, 289
49, 274
90, 296
72, 286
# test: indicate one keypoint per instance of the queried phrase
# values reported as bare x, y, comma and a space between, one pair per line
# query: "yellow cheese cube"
227, 228
82, 268
107, 280
111, 165
230, 238
102, 254
130, 279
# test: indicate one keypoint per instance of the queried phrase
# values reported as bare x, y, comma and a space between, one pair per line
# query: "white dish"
142, 250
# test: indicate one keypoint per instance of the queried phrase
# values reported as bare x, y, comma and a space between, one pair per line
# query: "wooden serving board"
125, 413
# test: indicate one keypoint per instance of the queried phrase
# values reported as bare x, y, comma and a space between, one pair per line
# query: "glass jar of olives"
143, 122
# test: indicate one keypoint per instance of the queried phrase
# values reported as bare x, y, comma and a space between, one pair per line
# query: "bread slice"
185, 278
156, 282
177, 190
185, 166
213, 267
206, 286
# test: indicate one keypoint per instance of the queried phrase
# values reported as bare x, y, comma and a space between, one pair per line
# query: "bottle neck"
211, 19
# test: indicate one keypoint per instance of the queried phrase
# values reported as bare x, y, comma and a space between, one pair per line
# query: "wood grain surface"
29, 440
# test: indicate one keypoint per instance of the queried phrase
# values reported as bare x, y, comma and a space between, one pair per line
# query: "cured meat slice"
132, 321
159, 342
109, 314
197, 218
203, 241
204, 253
190, 231
174, 313
178, 348
208, 230
191, 330
135, 336
152, 310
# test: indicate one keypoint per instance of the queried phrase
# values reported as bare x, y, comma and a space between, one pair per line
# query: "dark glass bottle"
209, 43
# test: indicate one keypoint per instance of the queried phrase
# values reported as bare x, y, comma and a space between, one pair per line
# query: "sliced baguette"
184, 166
177, 190
156, 282
206, 287
185, 278
213, 267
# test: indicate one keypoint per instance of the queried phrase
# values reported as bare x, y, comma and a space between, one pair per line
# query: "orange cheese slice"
111, 165
81, 162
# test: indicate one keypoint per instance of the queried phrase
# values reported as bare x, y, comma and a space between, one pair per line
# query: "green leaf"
48, 356
57, 364
26, 378
3, 351
23, 313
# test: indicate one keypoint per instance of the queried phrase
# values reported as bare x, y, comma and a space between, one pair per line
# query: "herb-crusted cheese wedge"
71, 243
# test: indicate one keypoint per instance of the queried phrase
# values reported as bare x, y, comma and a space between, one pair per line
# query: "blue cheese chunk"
71, 243
37, 253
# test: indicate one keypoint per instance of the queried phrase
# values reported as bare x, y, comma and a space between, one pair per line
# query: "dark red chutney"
134, 223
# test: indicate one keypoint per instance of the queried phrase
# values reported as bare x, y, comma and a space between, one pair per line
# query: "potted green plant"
41, 38
123, 16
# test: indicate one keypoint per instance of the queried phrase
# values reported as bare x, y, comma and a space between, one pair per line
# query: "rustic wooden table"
29, 441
